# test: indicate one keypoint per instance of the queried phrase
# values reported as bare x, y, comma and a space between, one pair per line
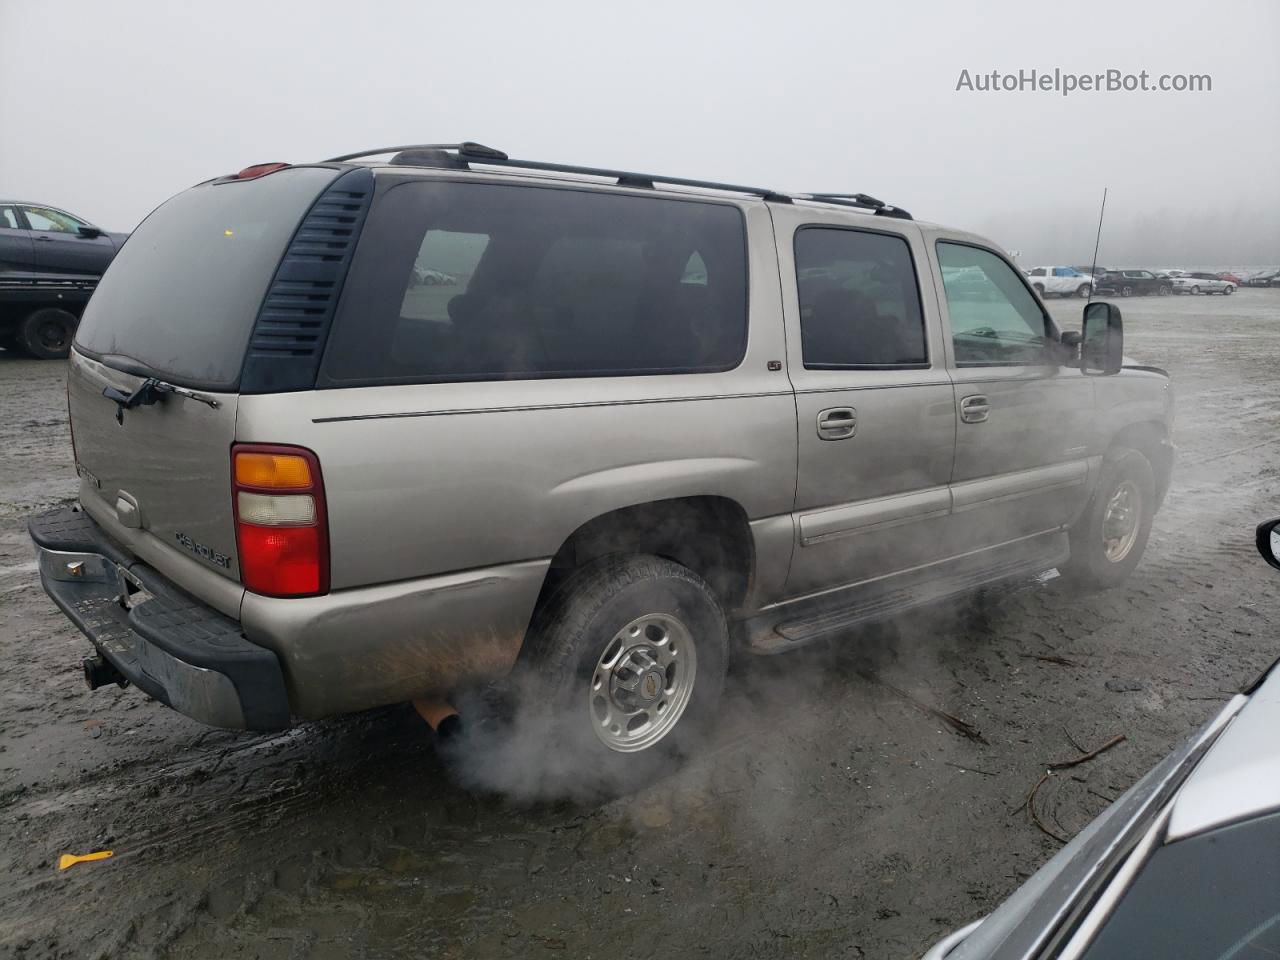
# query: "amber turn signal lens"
272, 471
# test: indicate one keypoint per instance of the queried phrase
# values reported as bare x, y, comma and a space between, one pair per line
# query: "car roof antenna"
1093, 270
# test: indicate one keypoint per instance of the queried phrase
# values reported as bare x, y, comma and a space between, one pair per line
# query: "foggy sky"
108, 108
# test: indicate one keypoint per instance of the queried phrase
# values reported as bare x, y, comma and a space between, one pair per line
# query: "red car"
1230, 278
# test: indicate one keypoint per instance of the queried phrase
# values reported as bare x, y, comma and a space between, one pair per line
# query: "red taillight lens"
258, 170
281, 561
281, 520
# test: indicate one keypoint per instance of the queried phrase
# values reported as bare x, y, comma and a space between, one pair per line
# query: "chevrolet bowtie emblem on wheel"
650, 686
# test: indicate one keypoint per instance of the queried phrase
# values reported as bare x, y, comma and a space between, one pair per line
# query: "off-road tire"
575, 625
1089, 566
46, 334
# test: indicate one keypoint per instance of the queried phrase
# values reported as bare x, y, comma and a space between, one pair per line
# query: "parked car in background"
267, 531
50, 261
1230, 278
1185, 864
1133, 283
35, 238
1063, 281
1197, 283
1264, 278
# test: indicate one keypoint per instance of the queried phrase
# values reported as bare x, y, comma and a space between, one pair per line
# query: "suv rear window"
181, 296
859, 300
469, 281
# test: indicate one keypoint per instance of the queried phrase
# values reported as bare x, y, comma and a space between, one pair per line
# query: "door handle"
837, 423
45, 239
974, 409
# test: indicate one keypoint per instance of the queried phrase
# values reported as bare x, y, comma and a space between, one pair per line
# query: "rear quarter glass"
180, 299
488, 281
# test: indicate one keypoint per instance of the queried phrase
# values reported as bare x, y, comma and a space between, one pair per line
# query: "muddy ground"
831, 817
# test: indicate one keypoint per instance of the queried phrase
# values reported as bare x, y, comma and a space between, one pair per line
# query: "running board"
870, 603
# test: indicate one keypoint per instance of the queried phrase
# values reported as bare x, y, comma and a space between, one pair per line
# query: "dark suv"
1133, 283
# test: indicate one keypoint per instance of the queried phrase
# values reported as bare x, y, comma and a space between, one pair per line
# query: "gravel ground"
831, 816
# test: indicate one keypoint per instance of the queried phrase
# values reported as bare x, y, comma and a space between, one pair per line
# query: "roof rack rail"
862, 200
468, 152
475, 151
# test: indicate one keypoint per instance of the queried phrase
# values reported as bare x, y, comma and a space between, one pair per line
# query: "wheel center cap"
650, 686
638, 680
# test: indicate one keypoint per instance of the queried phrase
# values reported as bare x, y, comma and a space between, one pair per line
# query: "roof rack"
861, 200
467, 153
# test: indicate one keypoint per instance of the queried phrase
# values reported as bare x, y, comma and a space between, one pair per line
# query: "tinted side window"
445, 263
995, 319
471, 281
859, 300
1211, 895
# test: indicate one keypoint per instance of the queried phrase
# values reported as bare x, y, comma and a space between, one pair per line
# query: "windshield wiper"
150, 391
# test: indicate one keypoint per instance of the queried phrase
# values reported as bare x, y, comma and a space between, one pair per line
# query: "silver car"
650, 421
1185, 864
1198, 283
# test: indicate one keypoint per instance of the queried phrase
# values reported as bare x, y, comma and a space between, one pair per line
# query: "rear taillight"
281, 520
258, 170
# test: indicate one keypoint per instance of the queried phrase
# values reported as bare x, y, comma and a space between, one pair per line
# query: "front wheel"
1228, 291
46, 334
1126, 291
1195, 291
1039, 289
1108, 541
1163, 291
623, 670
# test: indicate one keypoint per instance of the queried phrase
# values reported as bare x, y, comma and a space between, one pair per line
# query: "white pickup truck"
1064, 281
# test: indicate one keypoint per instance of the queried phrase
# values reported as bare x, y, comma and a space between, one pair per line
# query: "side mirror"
1069, 349
90, 233
1102, 344
1268, 540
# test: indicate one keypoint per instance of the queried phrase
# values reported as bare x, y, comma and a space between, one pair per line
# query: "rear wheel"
1195, 291
1083, 291
46, 334
623, 669
1108, 541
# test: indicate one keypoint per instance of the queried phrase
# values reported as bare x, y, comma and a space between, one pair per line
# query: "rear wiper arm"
148, 392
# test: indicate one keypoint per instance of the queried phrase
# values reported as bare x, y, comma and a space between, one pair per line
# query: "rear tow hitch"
98, 672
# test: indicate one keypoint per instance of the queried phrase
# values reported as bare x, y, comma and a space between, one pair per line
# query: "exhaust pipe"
98, 672
440, 717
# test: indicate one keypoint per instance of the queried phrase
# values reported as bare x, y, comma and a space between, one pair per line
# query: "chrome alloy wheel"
642, 682
1120, 522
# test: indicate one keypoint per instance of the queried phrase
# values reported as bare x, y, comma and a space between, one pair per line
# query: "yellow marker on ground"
69, 860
